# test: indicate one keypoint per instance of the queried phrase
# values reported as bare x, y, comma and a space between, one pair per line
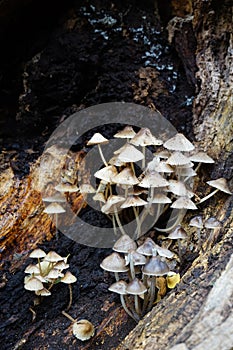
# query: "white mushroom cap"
99, 197
137, 258
153, 164
53, 257
155, 267
201, 157
136, 287
153, 179
37, 253
118, 287
179, 143
86, 188
43, 292
126, 177
107, 173
54, 274
116, 161
124, 244
130, 154
184, 203
32, 269
163, 167
83, 330
114, 263
33, 284
127, 133
147, 247
196, 221
177, 158
113, 203
160, 198
97, 139
179, 189
133, 201
145, 138
220, 184
55, 198
54, 208
164, 252
68, 278
164, 154
66, 187
178, 233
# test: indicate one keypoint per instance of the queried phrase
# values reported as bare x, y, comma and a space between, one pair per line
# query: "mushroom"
212, 223
54, 208
177, 159
69, 278
145, 138
98, 139
33, 284
119, 287
114, 263
126, 177
201, 157
220, 185
38, 254
127, 133
179, 233
82, 329
134, 259
136, 288
124, 244
197, 222
57, 197
111, 207
147, 247
66, 187
172, 279
154, 267
179, 143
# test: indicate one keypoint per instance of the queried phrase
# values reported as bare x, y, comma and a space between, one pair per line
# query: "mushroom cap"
61, 265
130, 154
153, 164
68, 278
97, 139
99, 196
37, 253
155, 267
177, 158
83, 329
43, 292
212, 223
118, 287
33, 284
137, 258
164, 154
113, 203
53, 257
179, 143
86, 188
160, 198
57, 197
172, 279
107, 173
178, 188
178, 233
144, 137
185, 171
147, 247
66, 187
116, 161
220, 184
127, 133
201, 157
126, 177
184, 203
54, 208
136, 287
153, 179
54, 274
196, 221
133, 201
32, 269
114, 263
124, 244
163, 167
164, 252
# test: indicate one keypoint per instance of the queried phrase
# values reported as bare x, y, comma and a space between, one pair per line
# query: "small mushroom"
200, 158
69, 278
172, 279
136, 288
197, 222
212, 223
82, 329
54, 208
179, 143
179, 233
38, 254
66, 187
127, 133
33, 284
219, 185
114, 263
98, 139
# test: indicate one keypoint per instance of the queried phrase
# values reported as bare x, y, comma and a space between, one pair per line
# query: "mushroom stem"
126, 309
208, 196
102, 156
56, 224
119, 222
144, 158
71, 297
68, 316
177, 222
132, 269
41, 273
114, 225
151, 293
116, 276
198, 166
137, 305
138, 231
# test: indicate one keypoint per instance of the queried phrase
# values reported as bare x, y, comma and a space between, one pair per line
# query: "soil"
89, 54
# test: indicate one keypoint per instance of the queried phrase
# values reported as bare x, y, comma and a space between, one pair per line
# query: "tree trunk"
198, 315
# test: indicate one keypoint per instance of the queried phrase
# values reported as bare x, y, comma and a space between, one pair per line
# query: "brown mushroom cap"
54, 208
127, 133
220, 184
118, 287
179, 143
124, 244
155, 267
114, 263
83, 329
97, 139
196, 221
212, 223
144, 137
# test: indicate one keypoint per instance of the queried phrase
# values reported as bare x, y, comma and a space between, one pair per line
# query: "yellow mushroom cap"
172, 279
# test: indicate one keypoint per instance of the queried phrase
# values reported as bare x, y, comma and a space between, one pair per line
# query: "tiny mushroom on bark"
82, 329
197, 222
179, 143
54, 208
219, 185
114, 263
98, 139
127, 133
69, 278
66, 187
212, 223
201, 157
136, 288
179, 233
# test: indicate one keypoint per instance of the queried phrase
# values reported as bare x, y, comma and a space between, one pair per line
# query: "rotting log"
198, 314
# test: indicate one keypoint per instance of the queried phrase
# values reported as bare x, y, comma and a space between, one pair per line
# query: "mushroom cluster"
145, 274
131, 180
47, 271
